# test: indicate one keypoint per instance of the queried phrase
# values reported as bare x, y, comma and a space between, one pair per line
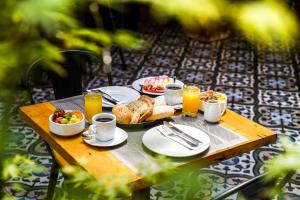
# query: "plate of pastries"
143, 111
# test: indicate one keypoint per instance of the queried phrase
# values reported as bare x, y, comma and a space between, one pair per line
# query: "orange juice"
190, 100
93, 105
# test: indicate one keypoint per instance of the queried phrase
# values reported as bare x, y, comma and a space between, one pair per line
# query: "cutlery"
170, 137
180, 132
106, 96
172, 133
109, 95
141, 87
110, 100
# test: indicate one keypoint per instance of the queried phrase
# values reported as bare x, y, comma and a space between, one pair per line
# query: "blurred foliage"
19, 166
83, 184
269, 22
32, 29
162, 165
265, 21
285, 164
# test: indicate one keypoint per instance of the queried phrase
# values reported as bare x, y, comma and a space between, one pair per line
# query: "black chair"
257, 188
110, 20
80, 67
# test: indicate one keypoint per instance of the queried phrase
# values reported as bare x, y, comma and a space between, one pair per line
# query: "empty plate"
160, 144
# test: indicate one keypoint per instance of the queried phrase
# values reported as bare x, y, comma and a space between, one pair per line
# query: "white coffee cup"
213, 111
103, 127
173, 94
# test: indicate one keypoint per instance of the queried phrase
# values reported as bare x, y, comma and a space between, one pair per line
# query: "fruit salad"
156, 84
60, 116
212, 96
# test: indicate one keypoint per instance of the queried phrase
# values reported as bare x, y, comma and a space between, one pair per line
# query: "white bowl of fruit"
66, 122
213, 96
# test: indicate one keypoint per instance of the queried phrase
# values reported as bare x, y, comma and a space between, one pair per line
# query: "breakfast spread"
60, 116
212, 96
143, 109
156, 84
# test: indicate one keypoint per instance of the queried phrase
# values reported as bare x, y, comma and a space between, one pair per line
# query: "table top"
100, 161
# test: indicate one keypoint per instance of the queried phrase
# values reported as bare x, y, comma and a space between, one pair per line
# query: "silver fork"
171, 133
166, 135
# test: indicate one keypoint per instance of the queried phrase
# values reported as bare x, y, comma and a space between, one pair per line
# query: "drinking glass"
190, 100
93, 105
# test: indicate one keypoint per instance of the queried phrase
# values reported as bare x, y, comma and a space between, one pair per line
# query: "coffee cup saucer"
120, 136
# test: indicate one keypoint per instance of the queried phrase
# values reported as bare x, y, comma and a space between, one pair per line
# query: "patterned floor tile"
196, 63
279, 69
273, 117
162, 61
235, 79
236, 66
131, 58
238, 55
280, 83
238, 95
155, 71
202, 52
279, 98
197, 77
274, 57
167, 50
175, 41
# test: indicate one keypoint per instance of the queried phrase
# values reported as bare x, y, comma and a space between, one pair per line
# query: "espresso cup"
104, 126
173, 94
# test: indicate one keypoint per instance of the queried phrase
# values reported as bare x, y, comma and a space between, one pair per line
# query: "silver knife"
110, 96
166, 135
178, 131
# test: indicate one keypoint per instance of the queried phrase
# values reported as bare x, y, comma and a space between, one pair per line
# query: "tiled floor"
261, 84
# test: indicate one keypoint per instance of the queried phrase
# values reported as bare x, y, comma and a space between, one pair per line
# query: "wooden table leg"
143, 194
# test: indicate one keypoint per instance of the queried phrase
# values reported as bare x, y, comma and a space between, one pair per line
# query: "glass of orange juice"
190, 100
93, 105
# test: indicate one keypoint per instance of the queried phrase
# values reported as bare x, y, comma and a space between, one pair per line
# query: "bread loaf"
161, 112
143, 109
135, 112
123, 114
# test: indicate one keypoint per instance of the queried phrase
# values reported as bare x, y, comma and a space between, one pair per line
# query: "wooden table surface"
99, 161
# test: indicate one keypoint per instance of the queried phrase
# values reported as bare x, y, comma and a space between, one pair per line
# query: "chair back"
80, 66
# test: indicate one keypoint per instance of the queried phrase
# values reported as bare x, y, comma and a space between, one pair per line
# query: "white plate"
120, 136
136, 85
157, 143
124, 94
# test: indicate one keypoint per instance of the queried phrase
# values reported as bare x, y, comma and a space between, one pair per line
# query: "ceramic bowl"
223, 103
66, 129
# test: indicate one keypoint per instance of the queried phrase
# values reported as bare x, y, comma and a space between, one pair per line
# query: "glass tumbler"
93, 105
190, 100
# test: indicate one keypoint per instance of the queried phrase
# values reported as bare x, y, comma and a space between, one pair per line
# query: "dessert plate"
137, 86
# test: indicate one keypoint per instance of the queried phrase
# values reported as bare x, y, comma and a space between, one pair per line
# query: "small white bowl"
222, 103
66, 129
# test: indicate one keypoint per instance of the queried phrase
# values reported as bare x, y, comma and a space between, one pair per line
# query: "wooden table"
99, 161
